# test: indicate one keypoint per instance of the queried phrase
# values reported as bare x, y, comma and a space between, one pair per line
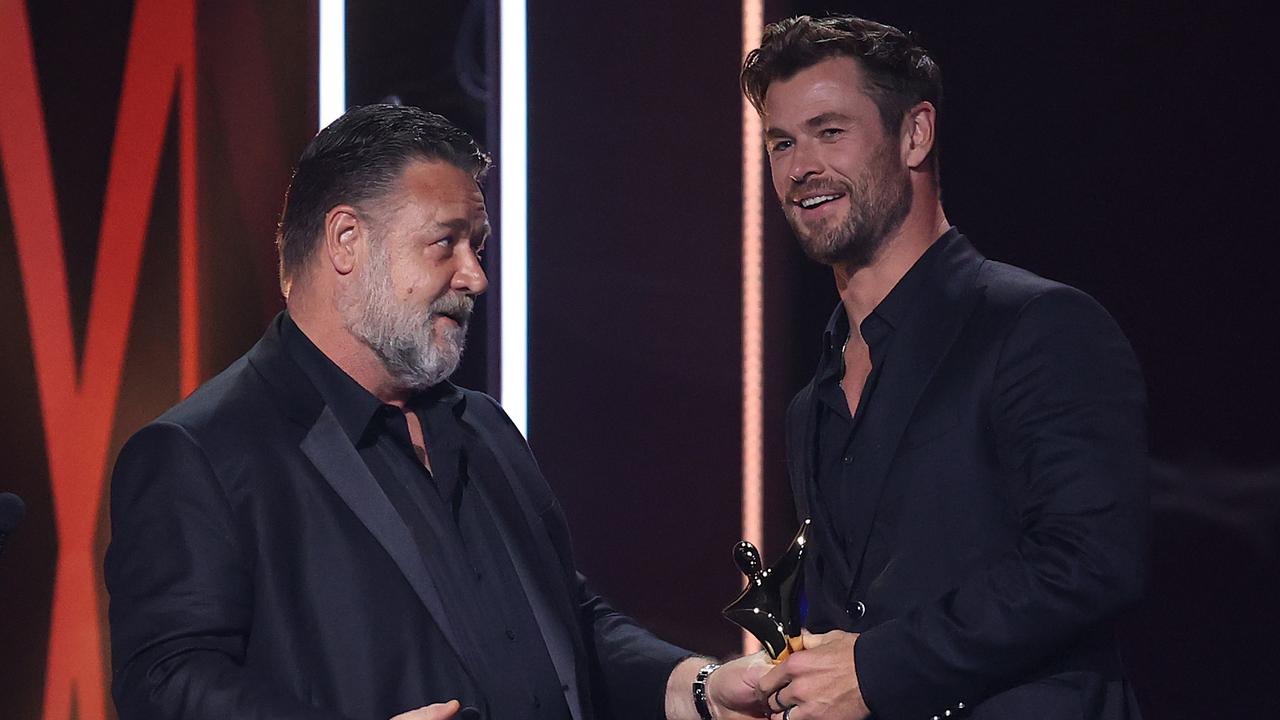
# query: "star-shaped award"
769, 607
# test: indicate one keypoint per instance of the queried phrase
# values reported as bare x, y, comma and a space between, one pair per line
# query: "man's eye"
832, 132
445, 242
780, 145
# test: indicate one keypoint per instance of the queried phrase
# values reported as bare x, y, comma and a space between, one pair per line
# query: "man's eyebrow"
463, 226
457, 225
826, 119
812, 123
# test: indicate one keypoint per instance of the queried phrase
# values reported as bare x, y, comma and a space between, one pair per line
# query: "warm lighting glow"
752, 307
513, 273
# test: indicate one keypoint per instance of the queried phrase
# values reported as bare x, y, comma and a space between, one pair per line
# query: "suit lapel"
827, 556
801, 454
946, 300
533, 557
328, 448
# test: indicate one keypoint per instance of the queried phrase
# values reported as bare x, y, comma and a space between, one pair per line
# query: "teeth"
816, 201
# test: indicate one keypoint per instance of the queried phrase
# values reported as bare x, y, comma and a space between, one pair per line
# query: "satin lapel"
945, 303
534, 564
328, 448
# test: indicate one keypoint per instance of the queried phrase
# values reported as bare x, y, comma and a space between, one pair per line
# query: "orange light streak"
189, 251
752, 307
78, 404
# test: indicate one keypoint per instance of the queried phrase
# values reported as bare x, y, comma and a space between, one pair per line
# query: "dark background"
1127, 149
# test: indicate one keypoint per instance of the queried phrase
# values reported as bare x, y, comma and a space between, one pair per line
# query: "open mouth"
459, 319
814, 201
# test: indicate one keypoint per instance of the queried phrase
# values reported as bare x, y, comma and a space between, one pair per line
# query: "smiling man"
331, 529
971, 448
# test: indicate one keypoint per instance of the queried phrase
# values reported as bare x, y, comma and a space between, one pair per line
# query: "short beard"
413, 351
879, 201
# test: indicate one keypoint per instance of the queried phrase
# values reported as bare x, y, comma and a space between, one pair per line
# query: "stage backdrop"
145, 146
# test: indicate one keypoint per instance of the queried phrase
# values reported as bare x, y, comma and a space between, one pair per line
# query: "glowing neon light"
752, 306
513, 172
333, 60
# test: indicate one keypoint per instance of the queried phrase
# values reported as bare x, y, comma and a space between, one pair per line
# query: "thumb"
438, 711
441, 711
812, 640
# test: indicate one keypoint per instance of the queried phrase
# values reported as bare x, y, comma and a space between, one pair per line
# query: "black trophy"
769, 607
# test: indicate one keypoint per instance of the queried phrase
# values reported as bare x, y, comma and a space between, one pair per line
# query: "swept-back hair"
356, 160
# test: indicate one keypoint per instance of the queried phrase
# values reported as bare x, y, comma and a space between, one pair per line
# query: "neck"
862, 288
324, 326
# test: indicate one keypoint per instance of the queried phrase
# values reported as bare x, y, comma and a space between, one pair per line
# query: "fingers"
438, 711
777, 703
734, 687
794, 713
778, 677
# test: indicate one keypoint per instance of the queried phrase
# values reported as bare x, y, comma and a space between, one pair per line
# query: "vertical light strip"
333, 60
513, 178
752, 307
189, 252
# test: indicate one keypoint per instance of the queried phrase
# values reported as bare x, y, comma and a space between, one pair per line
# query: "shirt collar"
353, 406
893, 312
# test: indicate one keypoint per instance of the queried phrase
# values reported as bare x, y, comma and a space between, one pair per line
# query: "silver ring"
777, 697
786, 714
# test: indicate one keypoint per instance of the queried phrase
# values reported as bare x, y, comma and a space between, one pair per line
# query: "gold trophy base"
794, 644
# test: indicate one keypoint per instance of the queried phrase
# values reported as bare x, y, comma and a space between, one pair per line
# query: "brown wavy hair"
899, 72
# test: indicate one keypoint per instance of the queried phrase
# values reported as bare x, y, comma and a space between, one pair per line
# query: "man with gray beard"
971, 449
331, 529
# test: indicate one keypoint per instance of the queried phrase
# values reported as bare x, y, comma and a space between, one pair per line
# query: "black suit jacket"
257, 570
1000, 522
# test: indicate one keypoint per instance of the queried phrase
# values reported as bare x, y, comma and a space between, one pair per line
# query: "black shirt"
452, 520
841, 440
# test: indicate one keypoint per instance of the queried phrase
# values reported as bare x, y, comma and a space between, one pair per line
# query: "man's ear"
343, 232
918, 133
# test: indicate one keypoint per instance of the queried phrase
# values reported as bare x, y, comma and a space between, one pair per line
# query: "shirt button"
847, 459
856, 610
511, 634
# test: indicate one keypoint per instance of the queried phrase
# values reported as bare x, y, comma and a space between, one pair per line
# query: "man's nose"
469, 277
804, 163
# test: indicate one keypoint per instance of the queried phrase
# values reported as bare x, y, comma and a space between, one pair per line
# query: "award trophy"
769, 607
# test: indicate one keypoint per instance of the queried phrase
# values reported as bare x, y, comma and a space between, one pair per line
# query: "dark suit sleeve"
632, 663
1067, 419
181, 590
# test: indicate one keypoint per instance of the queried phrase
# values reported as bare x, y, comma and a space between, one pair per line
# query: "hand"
817, 682
438, 711
733, 689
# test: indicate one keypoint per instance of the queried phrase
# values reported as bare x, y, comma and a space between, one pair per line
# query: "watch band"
700, 702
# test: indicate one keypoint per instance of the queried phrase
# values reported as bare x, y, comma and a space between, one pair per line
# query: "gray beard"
413, 351
876, 209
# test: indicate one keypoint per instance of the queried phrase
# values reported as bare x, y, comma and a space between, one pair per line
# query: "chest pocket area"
928, 428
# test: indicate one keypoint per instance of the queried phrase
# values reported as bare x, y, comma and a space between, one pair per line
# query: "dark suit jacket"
1000, 523
257, 570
